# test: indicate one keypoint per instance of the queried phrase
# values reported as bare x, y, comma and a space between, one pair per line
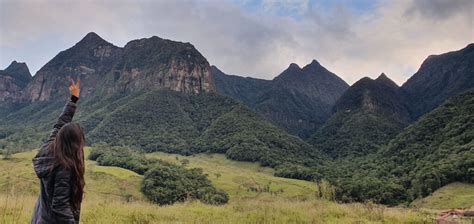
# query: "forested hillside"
368, 115
434, 151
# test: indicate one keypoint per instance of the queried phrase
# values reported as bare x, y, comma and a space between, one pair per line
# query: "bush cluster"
163, 183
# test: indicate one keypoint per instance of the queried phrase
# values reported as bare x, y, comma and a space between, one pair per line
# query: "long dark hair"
68, 152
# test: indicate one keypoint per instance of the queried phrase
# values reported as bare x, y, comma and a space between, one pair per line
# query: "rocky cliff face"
298, 100
13, 81
145, 64
440, 77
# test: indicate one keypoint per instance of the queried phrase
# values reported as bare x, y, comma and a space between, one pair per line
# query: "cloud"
251, 38
440, 9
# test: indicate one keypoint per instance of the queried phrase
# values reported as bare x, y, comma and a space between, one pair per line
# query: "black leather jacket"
54, 202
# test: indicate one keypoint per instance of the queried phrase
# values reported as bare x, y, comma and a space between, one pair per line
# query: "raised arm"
68, 111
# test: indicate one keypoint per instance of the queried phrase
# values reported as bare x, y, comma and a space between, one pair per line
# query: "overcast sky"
251, 38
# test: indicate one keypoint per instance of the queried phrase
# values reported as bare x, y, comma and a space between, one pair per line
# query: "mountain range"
299, 100
161, 95
153, 94
144, 64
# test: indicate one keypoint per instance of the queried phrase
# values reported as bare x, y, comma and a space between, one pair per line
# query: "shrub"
167, 183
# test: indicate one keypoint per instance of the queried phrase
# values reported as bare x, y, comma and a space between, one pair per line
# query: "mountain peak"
294, 66
20, 77
16, 65
93, 39
382, 76
385, 79
315, 67
19, 69
314, 62
92, 36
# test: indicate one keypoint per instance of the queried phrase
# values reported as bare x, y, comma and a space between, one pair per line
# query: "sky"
256, 38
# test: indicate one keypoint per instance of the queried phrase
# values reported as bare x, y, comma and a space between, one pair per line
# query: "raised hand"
74, 87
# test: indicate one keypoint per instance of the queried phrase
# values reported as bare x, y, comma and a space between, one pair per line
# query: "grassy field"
455, 195
113, 196
243, 180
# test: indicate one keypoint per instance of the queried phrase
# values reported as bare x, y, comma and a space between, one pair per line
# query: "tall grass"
96, 210
113, 196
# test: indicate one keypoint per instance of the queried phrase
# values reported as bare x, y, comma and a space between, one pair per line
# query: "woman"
59, 165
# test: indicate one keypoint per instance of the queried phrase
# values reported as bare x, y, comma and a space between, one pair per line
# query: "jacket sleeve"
61, 203
64, 118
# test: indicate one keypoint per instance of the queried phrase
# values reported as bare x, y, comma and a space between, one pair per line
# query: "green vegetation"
454, 195
429, 154
171, 122
167, 184
242, 135
356, 133
113, 196
164, 183
436, 150
123, 157
368, 115
167, 121
243, 180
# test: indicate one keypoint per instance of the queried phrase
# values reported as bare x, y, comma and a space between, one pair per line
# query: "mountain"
13, 80
152, 94
436, 150
367, 115
299, 99
440, 77
105, 69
